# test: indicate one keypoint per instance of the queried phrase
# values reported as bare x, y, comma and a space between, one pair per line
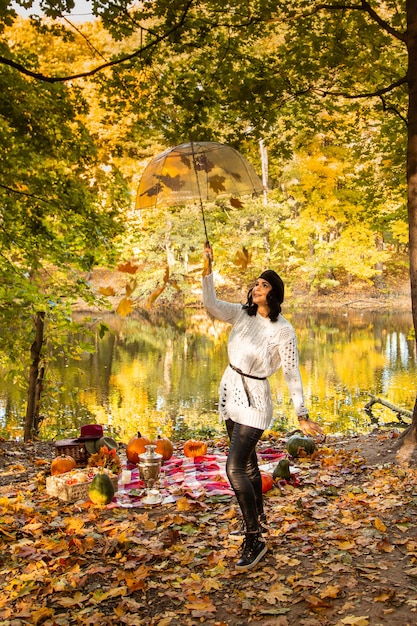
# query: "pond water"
157, 375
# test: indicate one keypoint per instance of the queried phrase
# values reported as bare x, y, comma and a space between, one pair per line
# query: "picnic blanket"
199, 477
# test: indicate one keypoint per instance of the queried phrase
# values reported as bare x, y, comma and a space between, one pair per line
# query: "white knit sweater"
258, 347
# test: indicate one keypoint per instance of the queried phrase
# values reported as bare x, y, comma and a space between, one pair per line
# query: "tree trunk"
407, 441
34, 390
37, 420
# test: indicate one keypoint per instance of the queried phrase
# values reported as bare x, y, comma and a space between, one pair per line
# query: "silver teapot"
149, 468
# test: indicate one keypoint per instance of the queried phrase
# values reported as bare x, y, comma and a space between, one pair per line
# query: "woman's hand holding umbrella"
208, 258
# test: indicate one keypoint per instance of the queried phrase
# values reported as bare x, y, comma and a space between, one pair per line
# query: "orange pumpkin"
61, 464
135, 447
194, 448
267, 481
164, 447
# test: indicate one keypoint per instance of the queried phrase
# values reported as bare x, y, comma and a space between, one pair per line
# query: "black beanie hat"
276, 283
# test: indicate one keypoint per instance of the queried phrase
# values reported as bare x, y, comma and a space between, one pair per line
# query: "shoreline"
396, 298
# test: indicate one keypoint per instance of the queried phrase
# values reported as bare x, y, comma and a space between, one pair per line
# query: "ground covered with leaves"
342, 548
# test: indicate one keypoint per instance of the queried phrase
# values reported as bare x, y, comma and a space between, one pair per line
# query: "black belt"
236, 369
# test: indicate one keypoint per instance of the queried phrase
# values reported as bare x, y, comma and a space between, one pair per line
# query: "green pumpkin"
295, 442
282, 470
101, 490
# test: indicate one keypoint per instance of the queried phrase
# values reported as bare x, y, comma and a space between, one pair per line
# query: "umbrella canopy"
196, 171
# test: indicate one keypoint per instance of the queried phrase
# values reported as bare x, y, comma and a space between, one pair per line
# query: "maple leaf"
278, 593
40, 615
99, 595
385, 596
236, 203
217, 183
107, 291
355, 620
243, 258
125, 307
172, 182
128, 268
200, 604
385, 546
331, 591
183, 504
134, 584
33, 529
74, 524
316, 602
130, 287
203, 163
212, 583
170, 537
77, 599
230, 513
379, 525
155, 294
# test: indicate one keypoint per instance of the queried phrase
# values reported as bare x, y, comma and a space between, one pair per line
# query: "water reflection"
156, 374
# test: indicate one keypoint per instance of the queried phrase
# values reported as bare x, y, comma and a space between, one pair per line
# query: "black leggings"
243, 471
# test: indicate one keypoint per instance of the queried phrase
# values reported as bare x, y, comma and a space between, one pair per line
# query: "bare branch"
363, 6
394, 110
370, 94
378, 93
25, 193
88, 42
387, 27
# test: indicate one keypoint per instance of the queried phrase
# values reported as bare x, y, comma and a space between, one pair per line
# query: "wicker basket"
57, 486
74, 448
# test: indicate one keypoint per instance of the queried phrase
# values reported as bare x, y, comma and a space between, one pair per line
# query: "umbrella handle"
199, 190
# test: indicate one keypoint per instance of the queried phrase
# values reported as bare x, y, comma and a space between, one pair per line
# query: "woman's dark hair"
273, 302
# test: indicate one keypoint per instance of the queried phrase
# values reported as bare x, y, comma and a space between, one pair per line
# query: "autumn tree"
59, 213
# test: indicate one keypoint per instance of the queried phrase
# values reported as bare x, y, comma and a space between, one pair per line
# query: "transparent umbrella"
197, 171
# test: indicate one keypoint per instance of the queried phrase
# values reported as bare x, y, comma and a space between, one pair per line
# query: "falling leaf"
130, 287
236, 203
107, 291
243, 258
125, 307
128, 268
155, 294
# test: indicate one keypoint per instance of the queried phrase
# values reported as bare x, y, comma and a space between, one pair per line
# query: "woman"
261, 341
